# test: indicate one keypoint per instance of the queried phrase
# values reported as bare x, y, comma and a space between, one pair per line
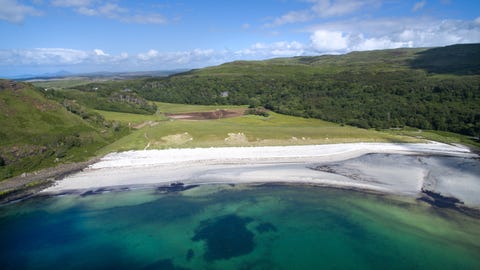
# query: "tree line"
367, 99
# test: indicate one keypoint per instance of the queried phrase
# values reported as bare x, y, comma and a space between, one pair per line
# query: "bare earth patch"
218, 114
178, 139
147, 123
236, 138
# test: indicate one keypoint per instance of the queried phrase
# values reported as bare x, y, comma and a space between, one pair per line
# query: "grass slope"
37, 132
248, 130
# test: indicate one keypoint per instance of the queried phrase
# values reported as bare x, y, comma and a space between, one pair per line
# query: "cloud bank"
346, 36
14, 12
324, 9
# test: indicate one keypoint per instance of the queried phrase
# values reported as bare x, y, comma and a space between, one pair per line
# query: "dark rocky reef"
438, 200
225, 236
175, 187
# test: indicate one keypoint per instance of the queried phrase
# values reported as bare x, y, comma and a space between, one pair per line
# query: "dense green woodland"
435, 88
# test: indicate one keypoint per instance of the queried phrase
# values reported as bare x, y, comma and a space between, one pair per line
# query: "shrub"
258, 111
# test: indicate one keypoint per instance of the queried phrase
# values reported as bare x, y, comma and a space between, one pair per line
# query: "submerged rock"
175, 187
438, 200
225, 236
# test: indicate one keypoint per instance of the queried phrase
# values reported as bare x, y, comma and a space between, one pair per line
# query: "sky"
80, 36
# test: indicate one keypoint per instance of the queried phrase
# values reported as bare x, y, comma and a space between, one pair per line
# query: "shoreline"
413, 170
28, 184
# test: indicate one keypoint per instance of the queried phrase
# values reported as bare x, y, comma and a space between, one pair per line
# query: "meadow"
160, 132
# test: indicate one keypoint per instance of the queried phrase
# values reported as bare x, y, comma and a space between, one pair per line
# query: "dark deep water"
239, 227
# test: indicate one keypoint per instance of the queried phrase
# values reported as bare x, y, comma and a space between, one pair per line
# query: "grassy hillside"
110, 99
436, 88
37, 132
247, 130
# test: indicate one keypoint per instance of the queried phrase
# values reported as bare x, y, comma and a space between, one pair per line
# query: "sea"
264, 226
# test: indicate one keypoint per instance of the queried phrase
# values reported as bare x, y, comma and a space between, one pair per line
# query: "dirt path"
148, 140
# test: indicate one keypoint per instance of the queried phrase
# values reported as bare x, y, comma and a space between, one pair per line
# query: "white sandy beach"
400, 173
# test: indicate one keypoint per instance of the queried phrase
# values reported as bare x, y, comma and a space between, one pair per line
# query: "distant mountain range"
100, 74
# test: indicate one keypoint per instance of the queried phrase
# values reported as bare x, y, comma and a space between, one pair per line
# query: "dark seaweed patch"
94, 192
226, 237
266, 227
175, 187
439, 200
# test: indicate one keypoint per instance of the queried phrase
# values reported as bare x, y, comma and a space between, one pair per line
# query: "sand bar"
393, 168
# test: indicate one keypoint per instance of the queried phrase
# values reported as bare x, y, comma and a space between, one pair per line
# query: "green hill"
427, 88
37, 132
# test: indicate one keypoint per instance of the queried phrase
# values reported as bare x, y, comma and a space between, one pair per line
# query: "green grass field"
248, 130
439, 136
132, 118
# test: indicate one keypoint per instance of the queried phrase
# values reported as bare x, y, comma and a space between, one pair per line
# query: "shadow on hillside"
462, 59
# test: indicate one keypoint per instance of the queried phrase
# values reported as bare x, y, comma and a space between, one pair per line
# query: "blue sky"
41, 36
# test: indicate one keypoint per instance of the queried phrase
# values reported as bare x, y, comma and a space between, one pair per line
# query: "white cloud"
353, 35
176, 59
57, 57
87, 11
324, 41
48, 56
323, 9
110, 10
331, 8
71, 3
329, 41
100, 52
293, 17
367, 44
148, 55
14, 12
269, 50
123, 56
145, 19
419, 5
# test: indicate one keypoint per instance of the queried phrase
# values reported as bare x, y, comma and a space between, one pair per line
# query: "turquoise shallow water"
236, 227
